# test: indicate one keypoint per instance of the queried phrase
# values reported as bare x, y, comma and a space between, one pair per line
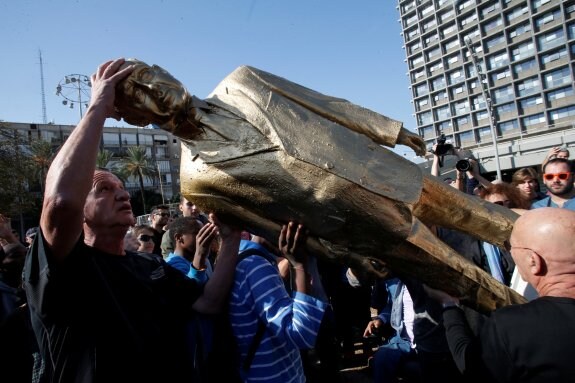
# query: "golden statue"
262, 150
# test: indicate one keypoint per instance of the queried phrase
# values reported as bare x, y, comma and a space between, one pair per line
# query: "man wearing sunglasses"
558, 178
159, 218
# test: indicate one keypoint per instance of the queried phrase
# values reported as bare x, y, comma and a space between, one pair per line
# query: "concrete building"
520, 81
161, 147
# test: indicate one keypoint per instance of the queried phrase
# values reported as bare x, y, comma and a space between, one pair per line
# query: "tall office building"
505, 65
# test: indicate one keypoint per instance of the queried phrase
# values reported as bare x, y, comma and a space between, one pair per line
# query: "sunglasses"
502, 203
145, 238
551, 176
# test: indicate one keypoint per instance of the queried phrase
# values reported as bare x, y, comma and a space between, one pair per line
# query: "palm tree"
137, 164
42, 154
104, 158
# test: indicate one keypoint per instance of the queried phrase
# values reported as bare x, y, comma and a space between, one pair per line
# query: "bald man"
529, 342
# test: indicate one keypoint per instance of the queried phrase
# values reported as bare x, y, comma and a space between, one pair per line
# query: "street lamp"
75, 88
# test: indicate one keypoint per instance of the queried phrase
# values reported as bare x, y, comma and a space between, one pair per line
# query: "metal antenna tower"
487, 96
44, 118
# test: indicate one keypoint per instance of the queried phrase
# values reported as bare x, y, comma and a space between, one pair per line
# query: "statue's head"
152, 95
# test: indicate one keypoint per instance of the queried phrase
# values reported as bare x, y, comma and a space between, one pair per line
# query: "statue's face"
150, 95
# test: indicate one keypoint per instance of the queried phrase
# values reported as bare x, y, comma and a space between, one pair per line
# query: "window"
478, 102
558, 114
506, 108
438, 83
551, 39
129, 139
524, 66
408, 7
442, 113
500, 75
468, 20
492, 24
435, 66
484, 134
111, 139
412, 33
533, 119
489, 9
418, 74
458, 89
416, 61
461, 107
429, 40
145, 139
571, 31
522, 51
453, 59
461, 121
553, 56
411, 20
412, 48
432, 53
503, 94
427, 10
456, 77
427, 132
548, 17
528, 86
498, 60
497, 39
466, 138
560, 93
530, 101
447, 30
451, 44
515, 13
561, 76
508, 127
446, 15
465, 4
520, 30
481, 115
444, 127
429, 24
421, 103
424, 118
440, 96
539, 3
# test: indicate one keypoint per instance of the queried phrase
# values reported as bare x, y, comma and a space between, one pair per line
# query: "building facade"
161, 147
502, 65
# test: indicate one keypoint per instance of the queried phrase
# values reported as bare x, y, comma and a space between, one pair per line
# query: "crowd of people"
90, 296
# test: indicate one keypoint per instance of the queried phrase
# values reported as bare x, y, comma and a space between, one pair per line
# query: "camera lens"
463, 165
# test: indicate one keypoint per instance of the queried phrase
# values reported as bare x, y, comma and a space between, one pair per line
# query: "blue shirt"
185, 267
292, 323
548, 202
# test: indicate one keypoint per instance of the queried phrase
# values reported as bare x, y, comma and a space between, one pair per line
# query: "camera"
463, 165
442, 148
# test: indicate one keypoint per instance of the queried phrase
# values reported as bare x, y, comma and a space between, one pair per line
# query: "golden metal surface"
261, 151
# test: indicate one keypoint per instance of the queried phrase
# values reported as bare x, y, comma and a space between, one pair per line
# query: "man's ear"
537, 264
177, 237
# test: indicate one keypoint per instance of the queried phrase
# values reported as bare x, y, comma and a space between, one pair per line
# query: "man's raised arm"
69, 179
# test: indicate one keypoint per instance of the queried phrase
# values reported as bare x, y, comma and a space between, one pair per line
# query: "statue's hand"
412, 140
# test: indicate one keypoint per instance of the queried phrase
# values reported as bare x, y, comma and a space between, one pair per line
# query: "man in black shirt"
100, 313
528, 342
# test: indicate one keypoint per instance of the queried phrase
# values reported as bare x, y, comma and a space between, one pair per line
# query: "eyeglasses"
163, 214
551, 176
144, 238
508, 247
